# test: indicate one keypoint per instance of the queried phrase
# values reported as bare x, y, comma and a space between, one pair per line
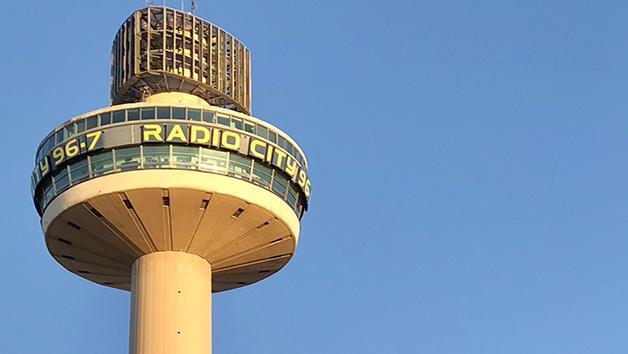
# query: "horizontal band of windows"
170, 157
177, 113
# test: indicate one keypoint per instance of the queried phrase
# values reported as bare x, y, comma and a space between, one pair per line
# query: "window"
105, 118
239, 166
68, 131
261, 131
162, 113
194, 114
132, 114
208, 117
291, 197
236, 123
102, 163
118, 116
272, 136
185, 157
224, 120
213, 160
80, 125
261, 174
79, 171
156, 156
148, 113
178, 113
127, 158
91, 122
279, 185
59, 136
282, 142
249, 127
61, 180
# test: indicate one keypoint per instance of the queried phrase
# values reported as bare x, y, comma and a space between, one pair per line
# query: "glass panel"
128, 158
224, 120
61, 180
118, 116
184, 156
208, 117
194, 114
249, 127
132, 114
148, 113
272, 136
291, 197
213, 160
156, 156
162, 113
92, 122
261, 174
48, 191
282, 142
261, 131
79, 171
290, 149
279, 184
102, 163
80, 125
239, 166
236, 123
178, 113
105, 118
68, 131
59, 137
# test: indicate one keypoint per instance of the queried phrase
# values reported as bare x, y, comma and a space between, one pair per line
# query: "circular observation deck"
128, 180
159, 49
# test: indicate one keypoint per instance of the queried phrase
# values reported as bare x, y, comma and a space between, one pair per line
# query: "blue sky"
468, 165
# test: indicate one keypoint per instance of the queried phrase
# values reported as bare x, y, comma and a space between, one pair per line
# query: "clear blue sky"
469, 162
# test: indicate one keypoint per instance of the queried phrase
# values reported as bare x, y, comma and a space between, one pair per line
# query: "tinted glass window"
224, 120
127, 158
80, 125
148, 113
118, 116
79, 171
261, 131
194, 114
208, 117
236, 123
105, 118
249, 127
92, 122
101, 163
162, 113
272, 136
178, 113
133, 114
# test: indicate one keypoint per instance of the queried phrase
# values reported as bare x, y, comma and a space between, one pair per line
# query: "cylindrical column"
170, 304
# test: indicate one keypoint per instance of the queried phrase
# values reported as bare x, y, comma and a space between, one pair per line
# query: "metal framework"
159, 49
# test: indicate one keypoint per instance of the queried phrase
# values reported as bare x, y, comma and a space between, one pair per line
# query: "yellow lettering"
307, 189
269, 153
291, 166
176, 132
225, 143
215, 137
43, 166
302, 178
151, 130
280, 156
194, 134
253, 151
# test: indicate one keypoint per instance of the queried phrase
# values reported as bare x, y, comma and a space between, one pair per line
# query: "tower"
173, 191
